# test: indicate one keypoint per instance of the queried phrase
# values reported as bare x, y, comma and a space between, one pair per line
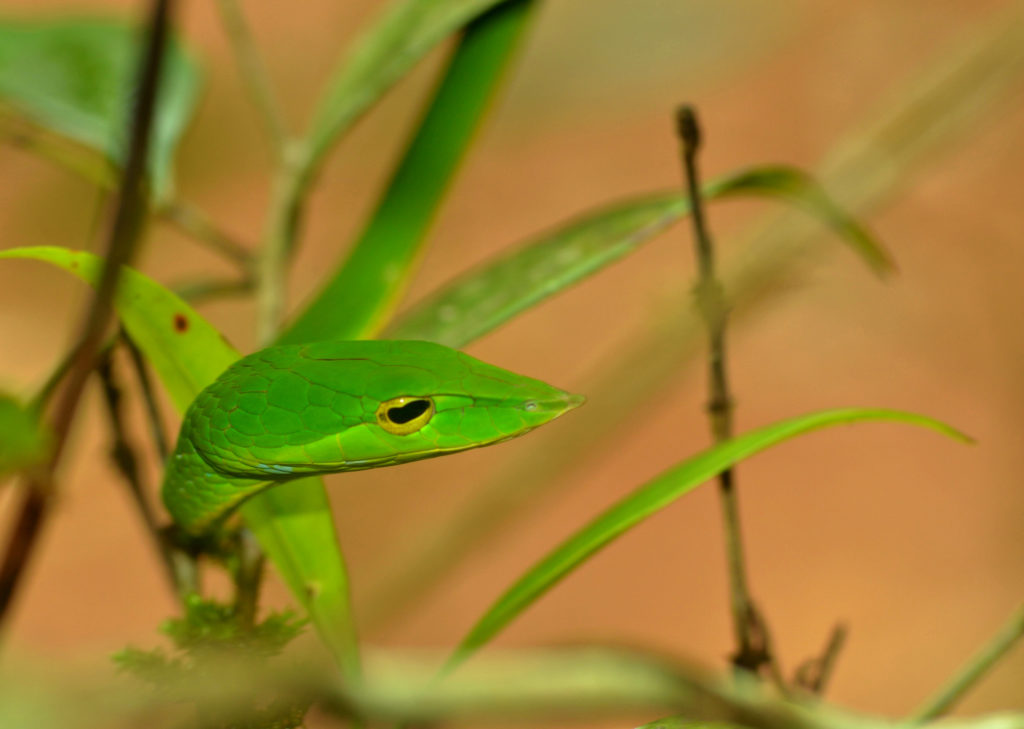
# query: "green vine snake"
296, 410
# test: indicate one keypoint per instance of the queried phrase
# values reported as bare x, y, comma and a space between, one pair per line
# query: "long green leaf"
650, 498
403, 34
23, 440
75, 78
482, 300
366, 287
293, 523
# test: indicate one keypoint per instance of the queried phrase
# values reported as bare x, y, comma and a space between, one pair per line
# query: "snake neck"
196, 495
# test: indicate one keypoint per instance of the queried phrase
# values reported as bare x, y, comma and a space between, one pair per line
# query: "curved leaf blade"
482, 300
799, 188
75, 78
650, 498
24, 442
186, 351
364, 290
403, 34
293, 523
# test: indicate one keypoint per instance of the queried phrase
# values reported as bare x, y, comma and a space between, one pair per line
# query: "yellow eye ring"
404, 415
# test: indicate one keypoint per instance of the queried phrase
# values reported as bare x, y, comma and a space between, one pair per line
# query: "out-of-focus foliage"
75, 78
405, 31
208, 635
23, 440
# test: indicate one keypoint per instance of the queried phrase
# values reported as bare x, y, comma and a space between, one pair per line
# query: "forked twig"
752, 637
815, 673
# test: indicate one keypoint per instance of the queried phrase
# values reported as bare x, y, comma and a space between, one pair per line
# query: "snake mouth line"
544, 411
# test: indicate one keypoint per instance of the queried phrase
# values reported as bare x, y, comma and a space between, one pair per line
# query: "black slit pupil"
409, 411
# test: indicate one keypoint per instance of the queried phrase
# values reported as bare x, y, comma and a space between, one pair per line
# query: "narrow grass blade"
23, 440
74, 78
404, 33
976, 668
293, 522
482, 300
650, 498
366, 288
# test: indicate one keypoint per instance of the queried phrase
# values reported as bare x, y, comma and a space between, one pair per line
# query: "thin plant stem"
270, 271
270, 274
156, 422
197, 225
271, 278
279, 239
248, 575
206, 289
980, 664
748, 627
253, 73
182, 567
130, 210
90, 166
45, 393
124, 456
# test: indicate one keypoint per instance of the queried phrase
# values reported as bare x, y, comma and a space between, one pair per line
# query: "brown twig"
752, 639
248, 576
128, 217
156, 422
123, 454
814, 674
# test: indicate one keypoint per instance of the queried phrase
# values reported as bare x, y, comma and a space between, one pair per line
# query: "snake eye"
404, 415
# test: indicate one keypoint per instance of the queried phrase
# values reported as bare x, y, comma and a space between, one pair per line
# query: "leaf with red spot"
293, 525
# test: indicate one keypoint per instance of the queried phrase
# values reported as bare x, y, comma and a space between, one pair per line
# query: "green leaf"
186, 351
482, 300
365, 289
403, 34
650, 498
293, 523
23, 440
801, 190
75, 78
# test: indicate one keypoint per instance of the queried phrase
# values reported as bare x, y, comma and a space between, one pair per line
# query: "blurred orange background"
910, 539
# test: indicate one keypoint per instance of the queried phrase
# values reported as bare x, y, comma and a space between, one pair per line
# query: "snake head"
328, 407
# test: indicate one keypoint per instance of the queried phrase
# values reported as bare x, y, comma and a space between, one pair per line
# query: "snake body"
296, 410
